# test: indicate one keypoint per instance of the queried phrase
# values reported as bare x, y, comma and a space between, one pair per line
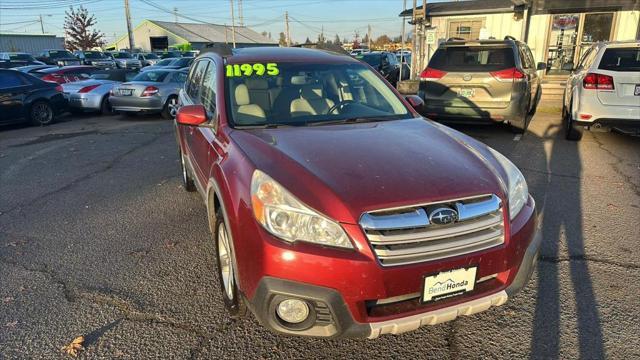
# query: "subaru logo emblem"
443, 216
466, 77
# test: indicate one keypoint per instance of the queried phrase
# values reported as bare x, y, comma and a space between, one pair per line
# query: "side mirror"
416, 102
192, 115
541, 66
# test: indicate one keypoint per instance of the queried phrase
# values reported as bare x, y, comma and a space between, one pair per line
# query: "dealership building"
153, 35
557, 31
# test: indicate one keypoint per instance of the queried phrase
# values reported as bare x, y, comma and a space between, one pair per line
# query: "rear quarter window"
620, 59
472, 59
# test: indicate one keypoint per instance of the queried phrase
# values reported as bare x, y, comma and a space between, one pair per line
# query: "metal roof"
464, 7
205, 33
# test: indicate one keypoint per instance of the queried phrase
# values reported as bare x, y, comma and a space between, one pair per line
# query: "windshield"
151, 56
165, 62
94, 55
621, 59
182, 62
305, 93
58, 54
21, 57
121, 55
154, 76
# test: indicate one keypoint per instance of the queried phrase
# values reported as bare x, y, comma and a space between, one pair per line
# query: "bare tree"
79, 31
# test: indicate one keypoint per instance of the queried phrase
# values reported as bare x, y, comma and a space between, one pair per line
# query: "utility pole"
240, 14
127, 12
175, 15
402, 55
414, 41
423, 25
233, 26
286, 27
41, 24
369, 36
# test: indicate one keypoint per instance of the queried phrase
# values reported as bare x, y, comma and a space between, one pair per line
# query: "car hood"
345, 170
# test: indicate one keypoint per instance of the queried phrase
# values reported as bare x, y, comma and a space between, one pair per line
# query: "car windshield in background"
621, 59
59, 54
151, 56
121, 55
154, 76
94, 55
182, 62
21, 57
165, 62
478, 59
371, 59
300, 94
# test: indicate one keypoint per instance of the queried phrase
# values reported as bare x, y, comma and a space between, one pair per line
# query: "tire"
105, 106
187, 180
41, 113
226, 266
573, 132
170, 108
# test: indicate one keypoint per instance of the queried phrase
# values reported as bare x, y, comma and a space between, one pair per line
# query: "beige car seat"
259, 92
247, 113
311, 102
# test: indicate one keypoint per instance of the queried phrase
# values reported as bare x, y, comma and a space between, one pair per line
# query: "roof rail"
221, 49
509, 37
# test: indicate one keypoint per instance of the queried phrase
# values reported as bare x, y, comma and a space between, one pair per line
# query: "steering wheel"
339, 106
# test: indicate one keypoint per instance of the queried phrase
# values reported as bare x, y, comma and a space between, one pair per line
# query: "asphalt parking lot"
97, 238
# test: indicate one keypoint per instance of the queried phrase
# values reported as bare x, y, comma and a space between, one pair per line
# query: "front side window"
208, 92
300, 94
195, 79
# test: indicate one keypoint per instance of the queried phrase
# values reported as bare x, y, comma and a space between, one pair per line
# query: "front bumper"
136, 103
340, 293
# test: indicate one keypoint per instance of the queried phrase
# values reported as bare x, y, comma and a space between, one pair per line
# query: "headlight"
518, 190
288, 218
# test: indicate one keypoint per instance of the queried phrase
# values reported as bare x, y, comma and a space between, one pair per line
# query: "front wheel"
105, 106
227, 269
170, 109
41, 113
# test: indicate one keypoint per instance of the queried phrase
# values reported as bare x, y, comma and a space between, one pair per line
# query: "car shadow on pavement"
561, 213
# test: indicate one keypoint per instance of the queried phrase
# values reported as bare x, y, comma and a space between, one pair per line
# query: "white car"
603, 92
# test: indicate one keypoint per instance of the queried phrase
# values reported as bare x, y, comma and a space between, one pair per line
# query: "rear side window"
9, 80
621, 59
478, 59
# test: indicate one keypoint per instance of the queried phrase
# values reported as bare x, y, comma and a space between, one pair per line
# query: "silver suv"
482, 81
603, 92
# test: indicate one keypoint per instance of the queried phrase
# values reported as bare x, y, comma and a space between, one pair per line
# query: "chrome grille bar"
405, 236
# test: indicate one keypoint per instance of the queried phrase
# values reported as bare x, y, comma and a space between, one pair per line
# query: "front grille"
406, 236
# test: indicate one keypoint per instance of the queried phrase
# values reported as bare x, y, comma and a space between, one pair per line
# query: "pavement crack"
551, 259
451, 341
88, 176
616, 166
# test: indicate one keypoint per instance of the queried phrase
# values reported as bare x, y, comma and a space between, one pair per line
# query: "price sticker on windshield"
258, 69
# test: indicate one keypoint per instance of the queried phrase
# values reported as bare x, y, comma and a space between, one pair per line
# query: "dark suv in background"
482, 80
386, 64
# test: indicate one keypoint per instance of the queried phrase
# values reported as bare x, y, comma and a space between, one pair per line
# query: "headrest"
242, 95
257, 84
311, 92
299, 80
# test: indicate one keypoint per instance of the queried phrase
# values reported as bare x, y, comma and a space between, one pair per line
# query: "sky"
306, 18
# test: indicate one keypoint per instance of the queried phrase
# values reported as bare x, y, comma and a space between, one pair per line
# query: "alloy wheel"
173, 107
42, 113
225, 261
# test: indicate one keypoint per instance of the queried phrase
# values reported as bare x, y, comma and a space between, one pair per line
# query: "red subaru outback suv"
336, 210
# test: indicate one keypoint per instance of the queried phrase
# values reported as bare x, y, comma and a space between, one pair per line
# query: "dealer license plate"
636, 92
467, 92
448, 284
126, 92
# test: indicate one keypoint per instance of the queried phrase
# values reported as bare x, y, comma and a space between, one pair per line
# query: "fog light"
293, 311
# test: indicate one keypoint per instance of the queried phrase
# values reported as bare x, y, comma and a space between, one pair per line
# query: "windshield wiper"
352, 120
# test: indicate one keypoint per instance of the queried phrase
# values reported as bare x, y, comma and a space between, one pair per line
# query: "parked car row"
37, 93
